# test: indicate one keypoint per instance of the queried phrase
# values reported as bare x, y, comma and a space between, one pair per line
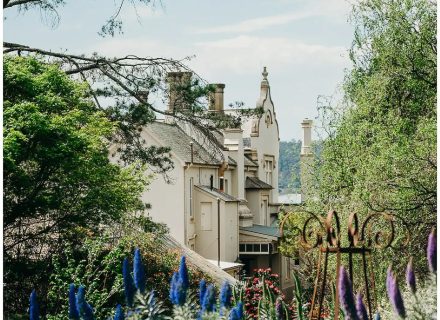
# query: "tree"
59, 185
289, 166
48, 8
380, 153
128, 81
58, 181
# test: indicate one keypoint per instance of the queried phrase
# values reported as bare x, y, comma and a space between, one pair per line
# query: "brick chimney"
216, 98
177, 81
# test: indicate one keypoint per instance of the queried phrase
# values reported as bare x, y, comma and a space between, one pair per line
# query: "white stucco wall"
267, 144
233, 140
169, 209
207, 240
264, 134
200, 176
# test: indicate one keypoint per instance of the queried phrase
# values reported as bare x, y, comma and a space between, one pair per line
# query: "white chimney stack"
306, 148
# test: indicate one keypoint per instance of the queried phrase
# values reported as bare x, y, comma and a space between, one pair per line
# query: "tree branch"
9, 3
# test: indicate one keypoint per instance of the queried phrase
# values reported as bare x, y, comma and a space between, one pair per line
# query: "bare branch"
9, 3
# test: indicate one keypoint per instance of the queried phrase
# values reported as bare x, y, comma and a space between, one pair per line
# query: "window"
264, 218
254, 248
268, 168
206, 216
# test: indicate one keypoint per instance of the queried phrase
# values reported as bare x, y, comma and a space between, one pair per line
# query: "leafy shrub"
97, 264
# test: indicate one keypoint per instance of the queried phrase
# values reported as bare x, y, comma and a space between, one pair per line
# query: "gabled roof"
180, 143
216, 193
264, 230
255, 183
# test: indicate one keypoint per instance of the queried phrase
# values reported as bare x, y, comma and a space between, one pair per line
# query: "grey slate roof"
179, 142
218, 194
265, 230
255, 183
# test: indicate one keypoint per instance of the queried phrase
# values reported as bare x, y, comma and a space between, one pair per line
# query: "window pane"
264, 248
248, 248
256, 248
242, 247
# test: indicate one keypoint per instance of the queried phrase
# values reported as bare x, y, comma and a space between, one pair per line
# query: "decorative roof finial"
265, 73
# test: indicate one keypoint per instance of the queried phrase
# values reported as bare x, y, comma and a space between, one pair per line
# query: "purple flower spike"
432, 252
394, 295
360, 308
411, 277
346, 295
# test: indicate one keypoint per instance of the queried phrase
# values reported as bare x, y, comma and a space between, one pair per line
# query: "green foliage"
58, 182
97, 264
298, 298
380, 154
289, 180
289, 166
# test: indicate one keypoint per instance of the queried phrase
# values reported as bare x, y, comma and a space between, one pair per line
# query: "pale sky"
303, 43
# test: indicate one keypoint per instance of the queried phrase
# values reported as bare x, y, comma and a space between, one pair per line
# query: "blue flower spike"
34, 313
139, 271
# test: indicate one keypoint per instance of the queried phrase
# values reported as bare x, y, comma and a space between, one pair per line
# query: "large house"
221, 199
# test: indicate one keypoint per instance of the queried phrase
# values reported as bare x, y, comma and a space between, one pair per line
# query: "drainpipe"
192, 151
218, 232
